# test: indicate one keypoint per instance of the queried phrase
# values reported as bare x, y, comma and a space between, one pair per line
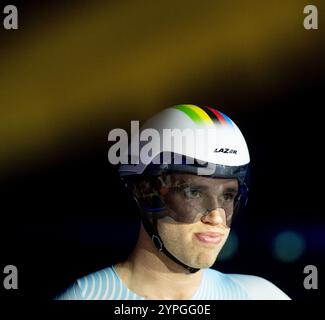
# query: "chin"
204, 262
203, 265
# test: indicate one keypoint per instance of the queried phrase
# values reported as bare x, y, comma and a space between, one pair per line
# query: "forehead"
202, 180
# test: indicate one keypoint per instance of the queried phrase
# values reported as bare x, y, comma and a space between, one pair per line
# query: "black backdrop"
68, 217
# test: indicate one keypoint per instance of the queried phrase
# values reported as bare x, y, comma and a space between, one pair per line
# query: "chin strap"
152, 231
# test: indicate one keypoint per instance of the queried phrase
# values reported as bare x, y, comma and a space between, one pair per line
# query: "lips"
209, 237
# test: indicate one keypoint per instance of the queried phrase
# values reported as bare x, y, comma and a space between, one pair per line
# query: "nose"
215, 217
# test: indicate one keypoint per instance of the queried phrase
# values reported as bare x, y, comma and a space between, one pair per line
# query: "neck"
149, 273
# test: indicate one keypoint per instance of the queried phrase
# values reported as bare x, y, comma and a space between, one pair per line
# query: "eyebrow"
183, 181
231, 189
203, 185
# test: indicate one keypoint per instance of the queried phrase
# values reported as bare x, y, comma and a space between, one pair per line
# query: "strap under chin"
153, 234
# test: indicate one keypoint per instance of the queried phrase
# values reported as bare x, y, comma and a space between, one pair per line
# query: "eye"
192, 193
229, 196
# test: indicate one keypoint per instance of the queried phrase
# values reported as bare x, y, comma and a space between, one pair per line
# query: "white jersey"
106, 285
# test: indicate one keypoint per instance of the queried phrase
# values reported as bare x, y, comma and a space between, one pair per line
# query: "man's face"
195, 227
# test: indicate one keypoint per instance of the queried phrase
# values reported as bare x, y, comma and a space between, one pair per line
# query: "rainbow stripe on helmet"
206, 115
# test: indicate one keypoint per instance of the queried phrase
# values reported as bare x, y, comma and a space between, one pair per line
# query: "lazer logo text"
225, 150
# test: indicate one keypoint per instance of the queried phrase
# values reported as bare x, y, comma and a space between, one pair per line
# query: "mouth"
209, 237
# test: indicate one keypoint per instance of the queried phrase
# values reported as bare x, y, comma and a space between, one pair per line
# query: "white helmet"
210, 137
213, 147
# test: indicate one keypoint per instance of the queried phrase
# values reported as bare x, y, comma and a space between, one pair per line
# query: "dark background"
69, 75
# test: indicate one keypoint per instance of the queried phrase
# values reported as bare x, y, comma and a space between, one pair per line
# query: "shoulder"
93, 286
73, 292
258, 288
220, 286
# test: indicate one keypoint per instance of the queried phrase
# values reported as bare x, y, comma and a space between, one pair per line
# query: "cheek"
174, 232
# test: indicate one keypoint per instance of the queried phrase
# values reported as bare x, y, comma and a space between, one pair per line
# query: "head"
187, 208
198, 217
